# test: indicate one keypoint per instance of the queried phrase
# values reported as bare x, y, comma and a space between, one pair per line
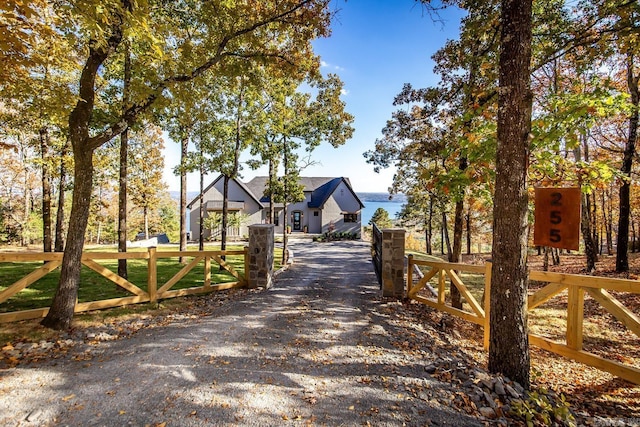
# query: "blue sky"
376, 46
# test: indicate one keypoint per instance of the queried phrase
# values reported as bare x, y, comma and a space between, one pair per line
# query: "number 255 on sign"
557, 218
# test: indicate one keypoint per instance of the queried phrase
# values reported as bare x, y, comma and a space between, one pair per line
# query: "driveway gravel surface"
316, 349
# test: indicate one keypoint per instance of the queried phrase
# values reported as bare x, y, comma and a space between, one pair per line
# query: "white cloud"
325, 64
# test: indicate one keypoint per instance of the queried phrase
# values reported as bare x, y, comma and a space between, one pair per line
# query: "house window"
276, 220
351, 217
315, 213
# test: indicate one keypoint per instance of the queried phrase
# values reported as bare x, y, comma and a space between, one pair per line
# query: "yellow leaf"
351, 408
69, 397
121, 412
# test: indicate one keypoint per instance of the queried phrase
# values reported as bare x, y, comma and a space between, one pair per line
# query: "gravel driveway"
316, 349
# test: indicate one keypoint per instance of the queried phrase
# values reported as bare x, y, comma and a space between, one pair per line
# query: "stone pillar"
261, 241
393, 262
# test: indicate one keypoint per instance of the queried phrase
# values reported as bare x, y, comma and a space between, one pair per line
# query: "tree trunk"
234, 170
122, 203
622, 255
442, 231
62, 187
633, 237
60, 314
47, 237
285, 160
99, 232
272, 211
64, 301
201, 209
594, 221
445, 234
509, 343
429, 228
545, 264
25, 240
124, 149
606, 219
184, 150
145, 213
225, 213
585, 211
589, 244
454, 256
610, 225
468, 222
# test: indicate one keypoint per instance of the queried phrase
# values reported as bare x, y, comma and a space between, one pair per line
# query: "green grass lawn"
94, 287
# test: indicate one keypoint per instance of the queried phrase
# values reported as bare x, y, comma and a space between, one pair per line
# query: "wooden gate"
376, 253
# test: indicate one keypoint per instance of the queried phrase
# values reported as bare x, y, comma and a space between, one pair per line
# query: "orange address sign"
557, 217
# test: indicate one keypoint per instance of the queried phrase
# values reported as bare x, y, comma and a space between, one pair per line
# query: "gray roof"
321, 188
240, 183
257, 187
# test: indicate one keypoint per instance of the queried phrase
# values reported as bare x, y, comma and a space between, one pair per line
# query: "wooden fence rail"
575, 285
139, 295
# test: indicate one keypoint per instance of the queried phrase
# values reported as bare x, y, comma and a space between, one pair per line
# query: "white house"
329, 204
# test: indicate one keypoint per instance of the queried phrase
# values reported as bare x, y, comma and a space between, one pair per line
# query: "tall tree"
509, 343
297, 120
381, 218
187, 106
236, 125
145, 171
62, 191
446, 122
124, 152
36, 90
633, 78
45, 147
228, 33
306, 120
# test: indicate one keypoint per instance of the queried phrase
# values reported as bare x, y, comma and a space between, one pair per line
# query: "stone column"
261, 242
393, 262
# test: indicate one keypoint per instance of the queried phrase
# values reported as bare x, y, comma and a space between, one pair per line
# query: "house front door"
297, 221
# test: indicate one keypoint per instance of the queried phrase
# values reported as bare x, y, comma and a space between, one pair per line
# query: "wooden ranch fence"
153, 292
576, 285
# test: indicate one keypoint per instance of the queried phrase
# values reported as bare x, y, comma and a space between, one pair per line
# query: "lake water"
373, 201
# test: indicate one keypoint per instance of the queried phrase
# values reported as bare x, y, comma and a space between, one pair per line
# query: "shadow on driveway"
316, 349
